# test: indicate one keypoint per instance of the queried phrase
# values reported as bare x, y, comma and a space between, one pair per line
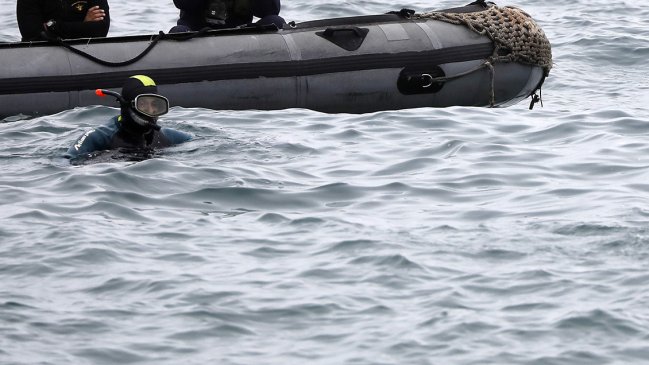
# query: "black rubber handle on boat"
329, 32
351, 40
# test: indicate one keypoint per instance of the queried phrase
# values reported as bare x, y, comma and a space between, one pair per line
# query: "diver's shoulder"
175, 136
105, 131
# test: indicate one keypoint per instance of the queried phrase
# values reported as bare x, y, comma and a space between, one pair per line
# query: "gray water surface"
423, 236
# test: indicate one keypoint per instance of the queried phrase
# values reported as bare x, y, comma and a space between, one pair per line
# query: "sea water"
423, 236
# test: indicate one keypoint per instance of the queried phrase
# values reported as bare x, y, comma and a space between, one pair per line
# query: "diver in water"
39, 20
136, 129
219, 14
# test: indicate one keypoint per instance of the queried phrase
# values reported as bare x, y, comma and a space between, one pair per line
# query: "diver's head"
142, 105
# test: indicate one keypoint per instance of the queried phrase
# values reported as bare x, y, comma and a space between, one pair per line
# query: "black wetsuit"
68, 14
123, 136
192, 13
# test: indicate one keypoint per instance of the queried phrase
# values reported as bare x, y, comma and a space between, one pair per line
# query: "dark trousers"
192, 15
267, 20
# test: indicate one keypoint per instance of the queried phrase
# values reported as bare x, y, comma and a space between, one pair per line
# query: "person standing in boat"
219, 14
38, 19
136, 129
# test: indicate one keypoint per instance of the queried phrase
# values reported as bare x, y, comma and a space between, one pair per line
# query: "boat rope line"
486, 64
293, 68
180, 37
58, 41
161, 35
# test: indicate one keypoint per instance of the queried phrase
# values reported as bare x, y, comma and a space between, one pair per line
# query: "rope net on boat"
516, 36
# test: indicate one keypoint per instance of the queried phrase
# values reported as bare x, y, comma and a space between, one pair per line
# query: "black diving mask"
151, 105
